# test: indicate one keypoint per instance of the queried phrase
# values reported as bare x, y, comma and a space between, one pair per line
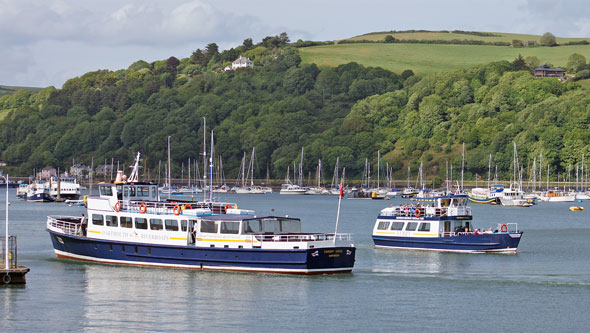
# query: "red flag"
341, 191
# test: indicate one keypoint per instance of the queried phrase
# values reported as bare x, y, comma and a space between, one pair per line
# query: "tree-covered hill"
281, 105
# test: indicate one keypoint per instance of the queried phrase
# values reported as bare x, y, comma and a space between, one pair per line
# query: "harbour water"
545, 287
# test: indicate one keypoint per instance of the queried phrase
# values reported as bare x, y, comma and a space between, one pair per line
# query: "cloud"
138, 22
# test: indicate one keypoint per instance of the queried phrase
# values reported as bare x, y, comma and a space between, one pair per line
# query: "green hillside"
344, 110
429, 58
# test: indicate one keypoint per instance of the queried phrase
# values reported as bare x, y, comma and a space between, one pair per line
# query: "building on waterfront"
104, 170
79, 170
48, 172
547, 71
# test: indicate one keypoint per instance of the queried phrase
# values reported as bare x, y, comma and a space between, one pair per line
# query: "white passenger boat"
129, 224
441, 224
67, 187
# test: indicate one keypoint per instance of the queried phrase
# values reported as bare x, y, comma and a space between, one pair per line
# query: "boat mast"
169, 173
462, 165
489, 170
378, 166
211, 170
204, 159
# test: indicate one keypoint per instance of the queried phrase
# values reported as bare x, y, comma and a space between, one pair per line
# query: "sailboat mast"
204, 158
169, 173
211, 170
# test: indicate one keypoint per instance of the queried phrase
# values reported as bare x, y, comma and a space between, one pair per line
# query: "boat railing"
161, 207
426, 211
302, 237
70, 225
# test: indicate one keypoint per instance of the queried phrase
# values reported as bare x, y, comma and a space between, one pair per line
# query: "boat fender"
503, 228
6, 279
417, 212
228, 206
142, 208
176, 210
118, 206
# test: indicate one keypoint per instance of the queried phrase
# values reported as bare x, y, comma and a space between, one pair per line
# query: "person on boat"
489, 231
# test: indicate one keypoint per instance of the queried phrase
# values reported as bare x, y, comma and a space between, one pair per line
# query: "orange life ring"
176, 210
228, 206
188, 206
118, 206
142, 208
503, 228
417, 212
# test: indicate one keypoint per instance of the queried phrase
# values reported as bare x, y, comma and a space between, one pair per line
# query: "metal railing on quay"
12, 253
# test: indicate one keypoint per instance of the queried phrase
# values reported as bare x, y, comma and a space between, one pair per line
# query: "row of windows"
129, 191
397, 225
140, 222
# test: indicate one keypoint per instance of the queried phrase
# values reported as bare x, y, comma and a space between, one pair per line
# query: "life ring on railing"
417, 212
142, 208
228, 206
176, 210
503, 228
6, 279
188, 206
117, 206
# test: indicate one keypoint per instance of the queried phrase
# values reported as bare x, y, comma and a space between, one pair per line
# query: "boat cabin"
437, 217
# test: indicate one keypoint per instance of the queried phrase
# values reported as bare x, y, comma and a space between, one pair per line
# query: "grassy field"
429, 58
10, 89
502, 37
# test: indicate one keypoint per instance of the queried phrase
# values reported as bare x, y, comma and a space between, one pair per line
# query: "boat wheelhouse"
129, 224
441, 224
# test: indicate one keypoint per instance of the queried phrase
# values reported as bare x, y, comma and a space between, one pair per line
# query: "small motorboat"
576, 208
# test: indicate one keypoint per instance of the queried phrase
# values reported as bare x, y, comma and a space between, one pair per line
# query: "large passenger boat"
129, 224
441, 224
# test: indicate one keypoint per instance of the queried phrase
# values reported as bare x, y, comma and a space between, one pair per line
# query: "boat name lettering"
333, 255
328, 251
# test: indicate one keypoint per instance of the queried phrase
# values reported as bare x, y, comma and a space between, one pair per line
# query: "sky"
46, 42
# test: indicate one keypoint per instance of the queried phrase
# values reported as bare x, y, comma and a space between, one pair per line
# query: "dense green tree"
575, 63
548, 39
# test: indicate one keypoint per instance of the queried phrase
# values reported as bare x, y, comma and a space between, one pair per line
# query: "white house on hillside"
242, 62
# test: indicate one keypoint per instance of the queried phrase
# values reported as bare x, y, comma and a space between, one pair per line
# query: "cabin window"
383, 226
126, 222
171, 225
183, 224
154, 192
143, 191
397, 225
290, 226
230, 227
140, 223
111, 221
411, 226
106, 190
209, 226
97, 219
424, 226
156, 224
253, 227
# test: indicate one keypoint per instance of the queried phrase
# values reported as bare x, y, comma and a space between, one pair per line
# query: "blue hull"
44, 197
309, 261
466, 243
